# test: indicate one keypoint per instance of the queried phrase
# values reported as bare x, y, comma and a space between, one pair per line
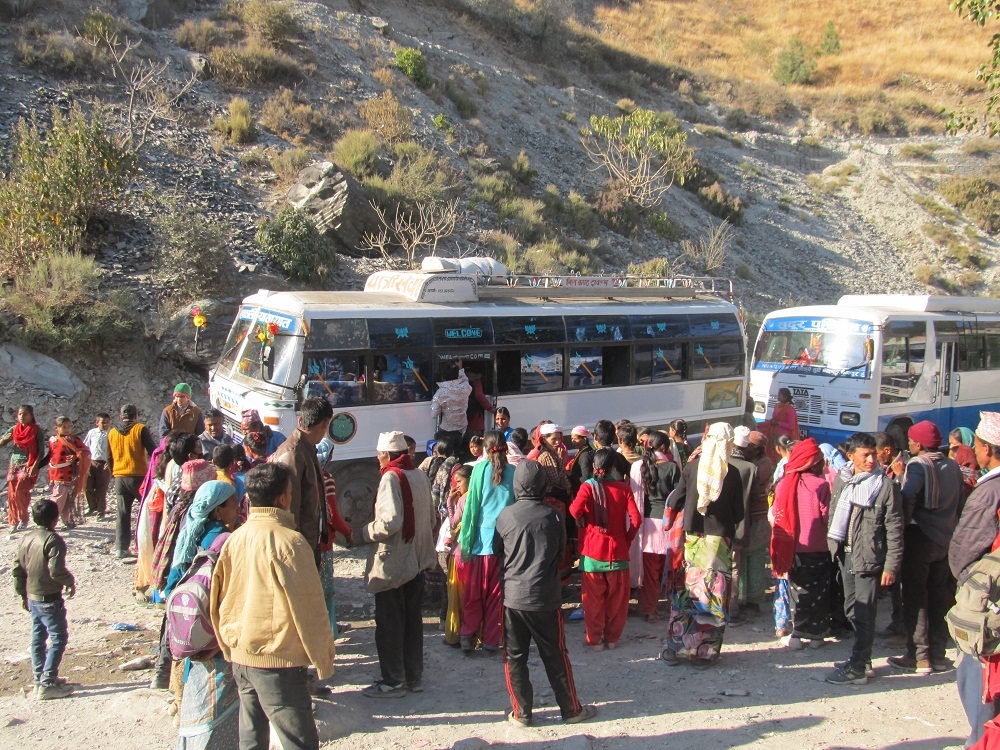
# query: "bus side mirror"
267, 363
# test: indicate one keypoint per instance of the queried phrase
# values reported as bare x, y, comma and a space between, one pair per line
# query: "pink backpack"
189, 622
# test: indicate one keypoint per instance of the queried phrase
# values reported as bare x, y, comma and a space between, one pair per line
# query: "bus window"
541, 370
336, 376
586, 366
452, 332
581, 328
392, 333
401, 378
232, 348
660, 327
509, 372
529, 330
617, 367
659, 363
717, 359
337, 333
904, 347
705, 326
991, 350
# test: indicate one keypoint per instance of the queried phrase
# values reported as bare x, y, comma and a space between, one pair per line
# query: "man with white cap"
402, 536
710, 493
973, 538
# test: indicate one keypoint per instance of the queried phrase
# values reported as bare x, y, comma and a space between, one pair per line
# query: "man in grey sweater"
973, 538
529, 540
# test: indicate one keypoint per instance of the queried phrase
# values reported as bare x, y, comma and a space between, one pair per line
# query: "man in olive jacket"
866, 537
402, 537
298, 453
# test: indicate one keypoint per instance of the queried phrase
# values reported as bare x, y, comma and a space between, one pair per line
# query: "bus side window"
586, 367
718, 359
541, 369
335, 376
659, 363
401, 378
616, 365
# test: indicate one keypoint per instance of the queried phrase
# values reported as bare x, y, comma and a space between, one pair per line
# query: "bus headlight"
759, 407
850, 418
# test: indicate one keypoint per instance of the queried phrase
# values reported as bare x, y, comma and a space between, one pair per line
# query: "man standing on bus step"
932, 491
973, 539
131, 445
181, 414
450, 404
298, 453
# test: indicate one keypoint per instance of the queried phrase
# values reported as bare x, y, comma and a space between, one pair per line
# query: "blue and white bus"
880, 362
571, 349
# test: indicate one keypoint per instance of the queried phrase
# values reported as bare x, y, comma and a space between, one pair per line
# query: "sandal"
670, 657
586, 713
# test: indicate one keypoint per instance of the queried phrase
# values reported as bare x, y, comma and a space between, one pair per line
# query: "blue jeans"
48, 623
970, 692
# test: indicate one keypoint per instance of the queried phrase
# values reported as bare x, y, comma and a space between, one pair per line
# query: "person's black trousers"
278, 696
546, 628
927, 596
399, 632
861, 608
127, 490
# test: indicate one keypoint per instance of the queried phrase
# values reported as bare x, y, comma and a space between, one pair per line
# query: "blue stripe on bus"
958, 416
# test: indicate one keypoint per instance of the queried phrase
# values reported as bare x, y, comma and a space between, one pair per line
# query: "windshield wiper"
849, 369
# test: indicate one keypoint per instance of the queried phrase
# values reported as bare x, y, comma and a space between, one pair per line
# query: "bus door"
481, 372
948, 383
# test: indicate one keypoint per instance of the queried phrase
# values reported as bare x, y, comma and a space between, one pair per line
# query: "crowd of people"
490, 527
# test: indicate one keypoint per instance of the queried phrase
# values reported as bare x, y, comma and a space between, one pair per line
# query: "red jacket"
613, 544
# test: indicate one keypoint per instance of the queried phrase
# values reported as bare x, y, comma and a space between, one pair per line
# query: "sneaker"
53, 692
910, 665
521, 721
416, 686
847, 676
869, 669
792, 642
815, 643
383, 689
942, 665
586, 713
670, 657
22, 526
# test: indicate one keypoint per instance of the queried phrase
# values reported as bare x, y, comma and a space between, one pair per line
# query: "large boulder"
336, 204
177, 339
153, 14
39, 372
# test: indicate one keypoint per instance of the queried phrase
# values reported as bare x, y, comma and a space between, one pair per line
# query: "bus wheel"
357, 483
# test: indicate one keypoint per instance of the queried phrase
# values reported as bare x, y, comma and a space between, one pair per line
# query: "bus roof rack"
604, 286
922, 303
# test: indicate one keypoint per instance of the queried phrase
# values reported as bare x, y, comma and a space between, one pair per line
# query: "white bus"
880, 362
570, 349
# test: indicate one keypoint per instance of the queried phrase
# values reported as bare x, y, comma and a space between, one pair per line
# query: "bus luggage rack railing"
678, 286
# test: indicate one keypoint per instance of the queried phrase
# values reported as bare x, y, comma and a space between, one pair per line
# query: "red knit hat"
926, 435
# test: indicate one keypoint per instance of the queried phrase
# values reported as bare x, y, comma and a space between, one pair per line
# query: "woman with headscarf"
606, 512
652, 480
26, 459
711, 495
784, 421
209, 709
960, 449
491, 489
799, 551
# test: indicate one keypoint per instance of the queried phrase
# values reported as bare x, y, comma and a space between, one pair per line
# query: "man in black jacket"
529, 541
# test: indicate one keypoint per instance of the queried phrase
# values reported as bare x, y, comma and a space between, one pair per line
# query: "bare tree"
413, 229
711, 250
151, 96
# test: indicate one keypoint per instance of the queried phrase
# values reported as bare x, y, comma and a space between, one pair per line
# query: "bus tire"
357, 482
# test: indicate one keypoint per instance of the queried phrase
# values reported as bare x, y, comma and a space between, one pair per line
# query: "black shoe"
160, 682
416, 686
869, 670
847, 676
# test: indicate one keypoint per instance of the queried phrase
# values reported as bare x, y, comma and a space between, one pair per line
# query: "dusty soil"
758, 695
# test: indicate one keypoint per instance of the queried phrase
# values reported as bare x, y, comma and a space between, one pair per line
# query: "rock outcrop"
336, 204
39, 372
178, 339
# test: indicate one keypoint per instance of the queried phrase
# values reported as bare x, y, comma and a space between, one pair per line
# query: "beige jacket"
391, 561
268, 609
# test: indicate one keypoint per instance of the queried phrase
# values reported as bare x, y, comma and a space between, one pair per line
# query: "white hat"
741, 437
989, 427
581, 431
391, 442
548, 429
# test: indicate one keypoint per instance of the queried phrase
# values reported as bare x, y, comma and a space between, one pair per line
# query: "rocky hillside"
486, 134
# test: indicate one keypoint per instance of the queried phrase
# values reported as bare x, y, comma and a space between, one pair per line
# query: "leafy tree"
830, 44
986, 117
795, 64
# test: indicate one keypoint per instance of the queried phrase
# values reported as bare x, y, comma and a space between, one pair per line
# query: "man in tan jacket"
270, 616
403, 536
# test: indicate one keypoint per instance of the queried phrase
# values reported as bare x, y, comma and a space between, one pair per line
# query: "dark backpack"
974, 621
189, 623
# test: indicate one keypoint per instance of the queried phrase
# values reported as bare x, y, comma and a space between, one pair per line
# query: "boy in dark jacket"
866, 537
40, 576
529, 541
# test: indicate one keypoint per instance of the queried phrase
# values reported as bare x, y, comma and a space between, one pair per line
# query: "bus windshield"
815, 345
248, 349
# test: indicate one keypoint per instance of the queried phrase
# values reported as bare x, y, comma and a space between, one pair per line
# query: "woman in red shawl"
784, 421
798, 543
26, 459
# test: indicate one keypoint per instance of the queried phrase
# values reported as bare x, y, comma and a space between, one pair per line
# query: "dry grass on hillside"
903, 50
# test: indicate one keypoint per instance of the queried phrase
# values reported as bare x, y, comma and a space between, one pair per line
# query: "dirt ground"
758, 695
